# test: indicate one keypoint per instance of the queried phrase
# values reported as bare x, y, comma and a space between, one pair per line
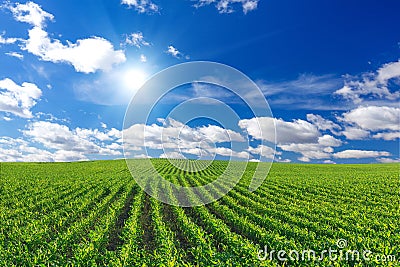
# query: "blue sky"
330, 71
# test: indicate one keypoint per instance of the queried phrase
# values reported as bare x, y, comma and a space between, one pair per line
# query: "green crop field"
94, 213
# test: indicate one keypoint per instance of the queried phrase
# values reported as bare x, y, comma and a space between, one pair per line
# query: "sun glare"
134, 78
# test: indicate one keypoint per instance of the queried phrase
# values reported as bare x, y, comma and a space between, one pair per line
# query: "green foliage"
94, 214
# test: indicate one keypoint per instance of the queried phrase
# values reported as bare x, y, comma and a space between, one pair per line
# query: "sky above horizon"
330, 71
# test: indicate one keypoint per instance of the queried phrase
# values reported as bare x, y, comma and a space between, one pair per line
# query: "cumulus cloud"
362, 121
359, 154
217, 134
280, 159
173, 133
264, 151
63, 155
174, 136
18, 99
142, 156
17, 149
5, 40
173, 51
298, 136
320, 150
226, 6
354, 133
224, 151
387, 136
388, 160
64, 144
375, 84
172, 155
322, 123
142, 6
30, 13
297, 131
60, 137
329, 141
136, 39
86, 55
374, 118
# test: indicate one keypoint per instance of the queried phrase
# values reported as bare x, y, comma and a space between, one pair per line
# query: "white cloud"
323, 124
358, 154
136, 39
17, 149
50, 117
310, 151
264, 151
322, 149
388, 160
298, 136
142, 6
304, 159
173, 136
226, 6
86, 55
30, 13
374, 118
115, 133
328, 161
279, 159
227, 152
354, 133
92, 134
62, 155
361, 121
328, 140
6, 118
60, 137
297, 131
249, 6
173, 51
143, 58
372, 84
172, 155
18, 99
387, 136
73, 143
142, 156
4, 40
15, 54
218, 135
21, 150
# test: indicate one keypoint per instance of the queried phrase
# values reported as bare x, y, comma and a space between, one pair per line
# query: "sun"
134, 78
